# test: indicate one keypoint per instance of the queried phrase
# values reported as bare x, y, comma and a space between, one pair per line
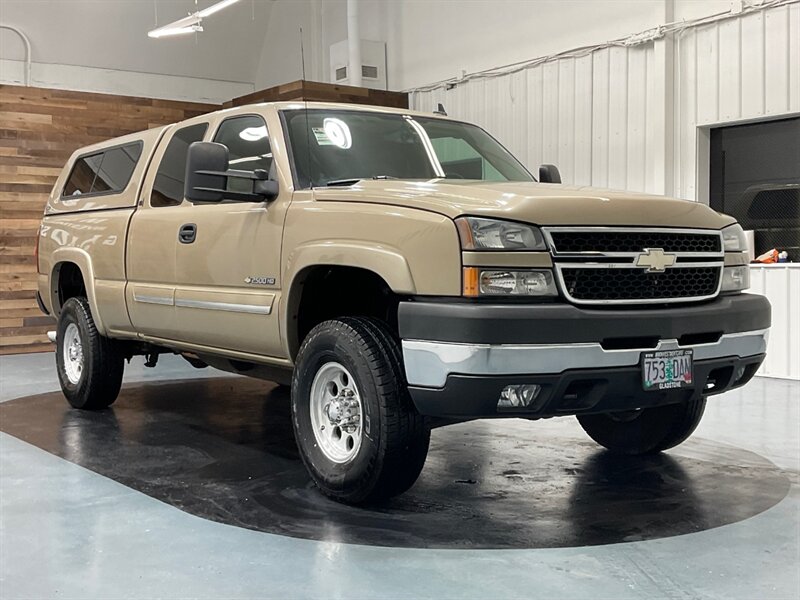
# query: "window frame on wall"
702, 147
206, 125
64, 197
778, 230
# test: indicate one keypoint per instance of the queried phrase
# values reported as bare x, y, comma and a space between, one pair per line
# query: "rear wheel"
646, 430
89, 365
356, 427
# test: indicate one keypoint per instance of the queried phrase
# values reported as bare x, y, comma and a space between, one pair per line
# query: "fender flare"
83, 261
385, 261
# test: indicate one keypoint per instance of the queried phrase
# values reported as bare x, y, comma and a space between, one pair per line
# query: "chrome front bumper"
429, 363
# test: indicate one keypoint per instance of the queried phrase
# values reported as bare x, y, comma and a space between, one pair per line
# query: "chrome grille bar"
568, 262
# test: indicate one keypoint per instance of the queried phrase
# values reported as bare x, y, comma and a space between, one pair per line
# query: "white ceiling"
113, 34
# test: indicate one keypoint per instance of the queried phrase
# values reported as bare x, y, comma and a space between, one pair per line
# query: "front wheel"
356, 427
89, 365
646, 430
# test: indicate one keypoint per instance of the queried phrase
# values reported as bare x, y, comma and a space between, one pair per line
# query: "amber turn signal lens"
471, 287
465, 234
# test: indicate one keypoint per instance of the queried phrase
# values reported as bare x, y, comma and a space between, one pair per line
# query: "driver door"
227, 286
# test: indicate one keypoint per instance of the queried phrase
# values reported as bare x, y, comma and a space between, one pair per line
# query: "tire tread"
404, 433
103, 364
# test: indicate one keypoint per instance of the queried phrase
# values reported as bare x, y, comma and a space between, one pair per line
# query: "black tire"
395, 436
646, 431
100, 379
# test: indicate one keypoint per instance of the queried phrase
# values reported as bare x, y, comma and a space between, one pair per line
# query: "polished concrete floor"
191, 487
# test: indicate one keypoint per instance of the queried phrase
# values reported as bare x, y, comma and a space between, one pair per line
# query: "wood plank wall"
39, 130
323, 92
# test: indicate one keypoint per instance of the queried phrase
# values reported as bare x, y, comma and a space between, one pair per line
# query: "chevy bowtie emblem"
655, 259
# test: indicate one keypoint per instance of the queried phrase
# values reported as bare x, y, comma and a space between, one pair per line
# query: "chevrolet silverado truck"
401, 271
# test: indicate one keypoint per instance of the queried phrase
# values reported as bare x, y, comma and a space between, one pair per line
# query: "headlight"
491, 234
733, 239
735, 279
503, 282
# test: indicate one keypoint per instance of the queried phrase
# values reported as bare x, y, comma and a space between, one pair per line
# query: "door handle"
187, 233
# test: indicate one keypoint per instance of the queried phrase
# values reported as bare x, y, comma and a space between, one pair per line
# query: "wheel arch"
66, 262
380, 273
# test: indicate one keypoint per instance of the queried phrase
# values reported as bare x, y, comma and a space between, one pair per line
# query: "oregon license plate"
666, 369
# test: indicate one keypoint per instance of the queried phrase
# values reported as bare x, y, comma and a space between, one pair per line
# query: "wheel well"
69, 282
325, 292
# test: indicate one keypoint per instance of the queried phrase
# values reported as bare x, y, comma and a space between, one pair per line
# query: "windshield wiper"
355, 180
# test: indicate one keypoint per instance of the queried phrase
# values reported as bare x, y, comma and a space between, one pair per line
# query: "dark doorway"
755, 177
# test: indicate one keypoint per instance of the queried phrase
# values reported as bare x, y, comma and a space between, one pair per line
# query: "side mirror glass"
549, 174
206, 164
207, 176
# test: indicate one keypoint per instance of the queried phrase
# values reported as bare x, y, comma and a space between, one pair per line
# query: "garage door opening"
755, 177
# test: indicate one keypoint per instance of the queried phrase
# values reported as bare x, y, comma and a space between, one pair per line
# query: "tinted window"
331, 146
103, 172
168, 186
248, 148
460, 160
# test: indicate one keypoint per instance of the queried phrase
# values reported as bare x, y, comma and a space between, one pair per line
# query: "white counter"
780, 283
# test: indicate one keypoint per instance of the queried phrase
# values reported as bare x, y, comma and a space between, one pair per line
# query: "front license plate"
666, 369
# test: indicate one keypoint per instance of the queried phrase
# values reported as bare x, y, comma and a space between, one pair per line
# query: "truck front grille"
614, 284
602, 265
601, 241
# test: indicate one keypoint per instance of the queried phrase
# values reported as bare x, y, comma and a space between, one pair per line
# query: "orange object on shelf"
770, 256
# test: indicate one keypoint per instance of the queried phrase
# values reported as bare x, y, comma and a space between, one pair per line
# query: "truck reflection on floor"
223, 449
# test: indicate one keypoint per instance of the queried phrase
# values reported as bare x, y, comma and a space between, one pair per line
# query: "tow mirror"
207, 176
206, 164
549, 174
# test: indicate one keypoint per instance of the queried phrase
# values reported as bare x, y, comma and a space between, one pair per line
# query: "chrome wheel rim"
72, 352
336, 413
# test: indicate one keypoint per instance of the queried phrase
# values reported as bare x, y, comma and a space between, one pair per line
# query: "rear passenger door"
154, 234
228, 276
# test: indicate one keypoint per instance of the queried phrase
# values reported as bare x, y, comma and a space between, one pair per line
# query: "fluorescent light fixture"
191, 23
185, 25
167, 31
214, 8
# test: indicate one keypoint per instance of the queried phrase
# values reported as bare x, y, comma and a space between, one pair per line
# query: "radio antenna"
305, 104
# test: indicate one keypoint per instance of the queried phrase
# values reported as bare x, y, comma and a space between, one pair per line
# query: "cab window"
168, 185
248, 147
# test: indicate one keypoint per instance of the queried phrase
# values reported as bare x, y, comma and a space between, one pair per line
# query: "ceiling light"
185, 25
206, 12
167, 31
191, 23
338, 132
236, 161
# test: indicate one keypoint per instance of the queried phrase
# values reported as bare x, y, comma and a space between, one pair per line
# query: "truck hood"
531, 202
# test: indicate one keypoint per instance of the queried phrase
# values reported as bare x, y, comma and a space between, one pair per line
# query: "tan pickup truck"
401, 271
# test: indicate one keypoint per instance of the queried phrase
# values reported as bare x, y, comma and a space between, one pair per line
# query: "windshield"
335, 147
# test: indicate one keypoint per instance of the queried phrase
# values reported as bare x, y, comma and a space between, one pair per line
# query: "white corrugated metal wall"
587, 115
637, 118
781, 285
736, 70
603, 118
